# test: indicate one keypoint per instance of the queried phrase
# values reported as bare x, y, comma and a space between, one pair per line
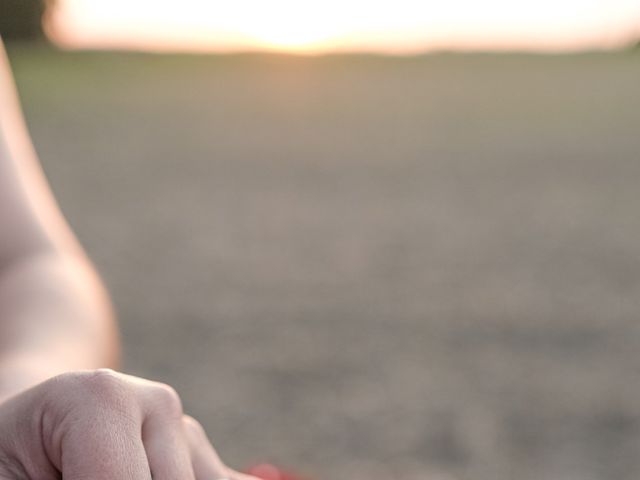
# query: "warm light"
171, 24
288, 25
401, 26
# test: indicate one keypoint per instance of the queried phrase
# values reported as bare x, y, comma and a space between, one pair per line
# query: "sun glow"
191, 24
288, 25
402, 26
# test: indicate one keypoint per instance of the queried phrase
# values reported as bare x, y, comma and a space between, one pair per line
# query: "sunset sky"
399, 26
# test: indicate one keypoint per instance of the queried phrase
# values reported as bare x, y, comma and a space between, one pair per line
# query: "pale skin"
64, 411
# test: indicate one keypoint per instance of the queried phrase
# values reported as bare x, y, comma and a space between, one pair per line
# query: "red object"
269, 472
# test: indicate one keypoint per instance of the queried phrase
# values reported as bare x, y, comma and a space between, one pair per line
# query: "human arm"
55, 315
62, 415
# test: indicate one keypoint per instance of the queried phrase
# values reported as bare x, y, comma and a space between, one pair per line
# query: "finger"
234, 475
167, 451
105, 446
163, 436
205, 460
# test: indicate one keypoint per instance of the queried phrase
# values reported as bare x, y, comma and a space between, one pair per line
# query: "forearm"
54, 317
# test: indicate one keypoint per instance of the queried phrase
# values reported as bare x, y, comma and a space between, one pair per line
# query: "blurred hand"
103, 425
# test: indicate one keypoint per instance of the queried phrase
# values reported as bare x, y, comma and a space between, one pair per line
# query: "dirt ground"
367, 267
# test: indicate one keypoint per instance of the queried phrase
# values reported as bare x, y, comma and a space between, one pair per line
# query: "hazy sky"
397, 26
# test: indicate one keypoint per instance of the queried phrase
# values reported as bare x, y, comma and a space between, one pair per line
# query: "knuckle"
104, 383
167, 400
193, 427
196, 436
92, 396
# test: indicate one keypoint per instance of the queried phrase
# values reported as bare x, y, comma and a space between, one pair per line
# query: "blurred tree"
22, 19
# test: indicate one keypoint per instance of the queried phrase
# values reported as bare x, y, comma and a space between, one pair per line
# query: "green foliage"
21, 19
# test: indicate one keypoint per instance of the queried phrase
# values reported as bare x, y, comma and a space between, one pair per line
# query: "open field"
367, 267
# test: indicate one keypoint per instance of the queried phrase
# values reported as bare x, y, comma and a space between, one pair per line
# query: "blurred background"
389, 240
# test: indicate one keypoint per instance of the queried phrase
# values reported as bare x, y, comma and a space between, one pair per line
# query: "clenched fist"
104, 425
